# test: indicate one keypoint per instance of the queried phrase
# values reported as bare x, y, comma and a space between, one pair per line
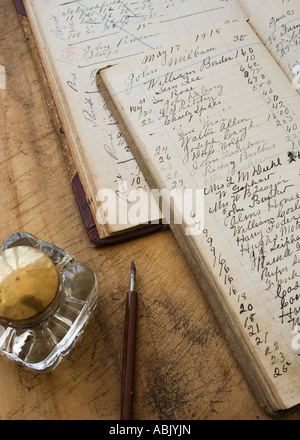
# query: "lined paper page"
78, 38
223, 117
278, 24
251, 6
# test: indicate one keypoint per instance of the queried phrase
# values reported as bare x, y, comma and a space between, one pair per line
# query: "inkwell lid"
28, 285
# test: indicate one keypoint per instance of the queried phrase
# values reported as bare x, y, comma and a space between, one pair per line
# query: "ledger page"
223, 117
277, 23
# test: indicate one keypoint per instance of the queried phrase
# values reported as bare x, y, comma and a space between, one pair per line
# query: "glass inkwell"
46, 298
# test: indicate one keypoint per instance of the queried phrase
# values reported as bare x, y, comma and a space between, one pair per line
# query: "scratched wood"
184, 368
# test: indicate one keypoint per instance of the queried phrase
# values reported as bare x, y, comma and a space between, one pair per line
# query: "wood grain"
184, 368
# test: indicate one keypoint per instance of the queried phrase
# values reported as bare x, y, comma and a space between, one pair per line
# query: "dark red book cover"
20, 7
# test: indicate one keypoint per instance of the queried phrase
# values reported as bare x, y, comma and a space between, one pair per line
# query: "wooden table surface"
184, 367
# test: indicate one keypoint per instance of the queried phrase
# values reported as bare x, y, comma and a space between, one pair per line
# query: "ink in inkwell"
46, 298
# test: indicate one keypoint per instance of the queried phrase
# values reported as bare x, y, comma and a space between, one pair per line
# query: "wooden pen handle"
128, 356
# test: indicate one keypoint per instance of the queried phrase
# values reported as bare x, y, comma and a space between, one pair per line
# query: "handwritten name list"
216, 112
278, 24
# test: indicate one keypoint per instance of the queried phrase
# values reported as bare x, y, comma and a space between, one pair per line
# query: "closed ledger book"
221, 141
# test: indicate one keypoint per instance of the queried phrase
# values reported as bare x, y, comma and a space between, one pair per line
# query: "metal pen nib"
132, 277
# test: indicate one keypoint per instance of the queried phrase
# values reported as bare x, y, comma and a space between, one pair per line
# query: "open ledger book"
75, 39
222, 116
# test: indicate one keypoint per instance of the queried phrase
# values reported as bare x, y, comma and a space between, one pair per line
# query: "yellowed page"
224, 118
76, 39
277, 23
